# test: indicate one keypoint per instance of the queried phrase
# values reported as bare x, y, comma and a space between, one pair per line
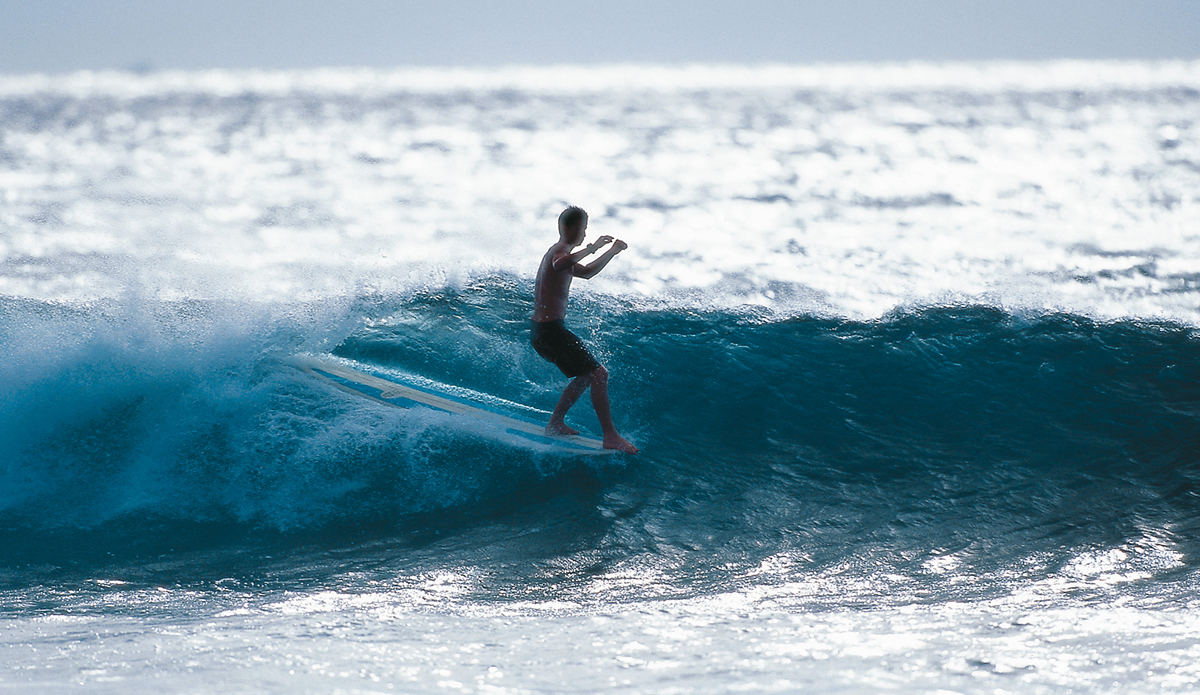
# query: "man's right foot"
616, 441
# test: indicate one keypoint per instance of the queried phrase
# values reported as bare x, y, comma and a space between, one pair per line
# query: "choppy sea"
912, 352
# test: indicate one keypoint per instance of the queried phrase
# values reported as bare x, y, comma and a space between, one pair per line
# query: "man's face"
575, 236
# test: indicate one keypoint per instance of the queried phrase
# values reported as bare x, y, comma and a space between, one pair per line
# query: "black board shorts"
555, 343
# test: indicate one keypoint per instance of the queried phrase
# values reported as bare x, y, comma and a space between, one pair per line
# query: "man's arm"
573, 259
592, 269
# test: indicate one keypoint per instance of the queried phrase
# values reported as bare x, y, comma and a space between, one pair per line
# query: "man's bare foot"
559, 428
616, 441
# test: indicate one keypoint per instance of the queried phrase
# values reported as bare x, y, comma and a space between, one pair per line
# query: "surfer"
550, 336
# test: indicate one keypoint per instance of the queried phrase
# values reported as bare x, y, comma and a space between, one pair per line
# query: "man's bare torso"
553, 286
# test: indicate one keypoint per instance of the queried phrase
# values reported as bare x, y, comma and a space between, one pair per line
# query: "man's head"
571, 224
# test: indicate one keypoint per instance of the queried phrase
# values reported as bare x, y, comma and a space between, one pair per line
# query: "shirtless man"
550, 336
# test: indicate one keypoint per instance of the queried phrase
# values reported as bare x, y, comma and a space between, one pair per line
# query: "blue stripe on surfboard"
415, 384
401, 380
377, 394
560, 442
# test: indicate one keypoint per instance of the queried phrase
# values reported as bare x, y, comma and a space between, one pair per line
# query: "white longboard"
395, 390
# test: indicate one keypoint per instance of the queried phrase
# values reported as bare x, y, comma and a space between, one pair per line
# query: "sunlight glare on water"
852, 189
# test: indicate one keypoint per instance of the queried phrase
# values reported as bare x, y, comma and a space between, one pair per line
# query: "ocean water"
912, 353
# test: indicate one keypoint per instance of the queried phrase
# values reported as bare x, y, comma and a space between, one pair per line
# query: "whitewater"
912, 353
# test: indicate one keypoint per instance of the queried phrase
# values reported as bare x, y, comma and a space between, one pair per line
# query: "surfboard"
401, 391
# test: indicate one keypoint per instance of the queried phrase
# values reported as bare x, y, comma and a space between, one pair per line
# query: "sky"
69, 35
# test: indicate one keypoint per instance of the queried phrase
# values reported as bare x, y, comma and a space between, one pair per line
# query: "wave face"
1000, 445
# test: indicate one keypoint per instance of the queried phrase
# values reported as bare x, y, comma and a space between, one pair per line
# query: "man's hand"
589, 271
600, 242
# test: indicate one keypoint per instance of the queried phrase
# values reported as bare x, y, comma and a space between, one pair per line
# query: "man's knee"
599, 375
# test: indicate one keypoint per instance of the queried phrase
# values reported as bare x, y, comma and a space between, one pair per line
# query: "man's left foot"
559, 429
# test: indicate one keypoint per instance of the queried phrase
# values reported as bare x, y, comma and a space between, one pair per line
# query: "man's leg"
612, 440
570, 394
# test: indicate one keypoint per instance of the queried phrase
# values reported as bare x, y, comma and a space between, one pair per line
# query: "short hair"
571, 217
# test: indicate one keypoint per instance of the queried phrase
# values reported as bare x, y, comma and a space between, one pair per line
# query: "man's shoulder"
558, 251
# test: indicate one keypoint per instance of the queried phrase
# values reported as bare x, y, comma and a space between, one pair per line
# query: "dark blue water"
167, 442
